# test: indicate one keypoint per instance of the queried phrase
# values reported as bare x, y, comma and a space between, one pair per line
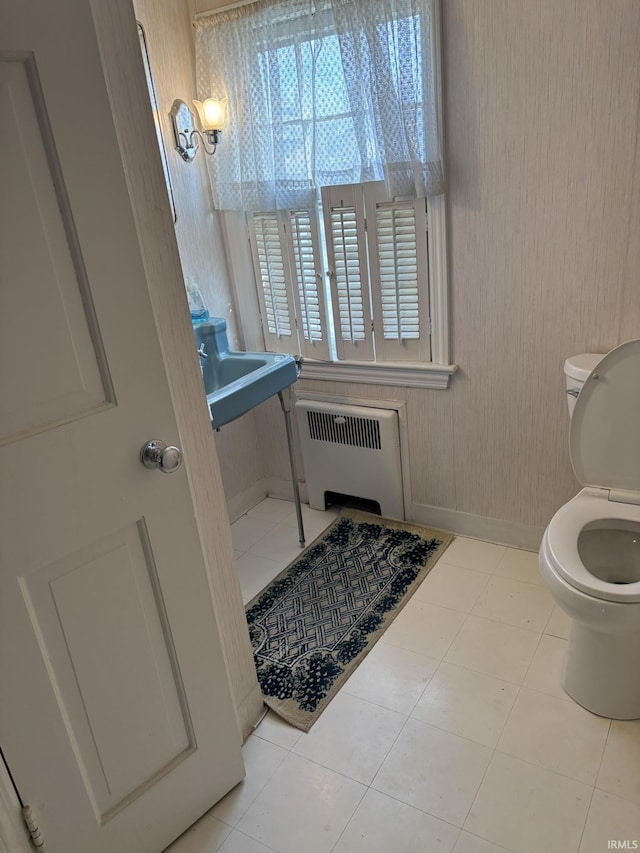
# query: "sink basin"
235, 382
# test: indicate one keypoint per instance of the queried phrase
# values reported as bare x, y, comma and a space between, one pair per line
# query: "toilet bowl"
590, 552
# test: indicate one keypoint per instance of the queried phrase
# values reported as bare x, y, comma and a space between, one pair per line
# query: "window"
333, 154
321, 92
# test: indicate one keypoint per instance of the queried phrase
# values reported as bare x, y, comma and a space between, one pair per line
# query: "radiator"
351, 450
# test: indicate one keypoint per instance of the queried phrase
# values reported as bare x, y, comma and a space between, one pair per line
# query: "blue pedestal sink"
235, 382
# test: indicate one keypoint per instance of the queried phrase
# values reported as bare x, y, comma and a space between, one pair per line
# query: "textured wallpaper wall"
542, 116
542, 110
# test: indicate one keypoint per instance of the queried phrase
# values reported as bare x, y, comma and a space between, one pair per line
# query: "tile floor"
453, 735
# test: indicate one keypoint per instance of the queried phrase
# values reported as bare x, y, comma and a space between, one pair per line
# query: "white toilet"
590, 552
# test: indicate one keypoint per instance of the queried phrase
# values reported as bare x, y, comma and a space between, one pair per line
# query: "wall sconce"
187, 137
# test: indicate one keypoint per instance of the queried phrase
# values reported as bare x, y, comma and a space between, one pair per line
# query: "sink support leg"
285, 404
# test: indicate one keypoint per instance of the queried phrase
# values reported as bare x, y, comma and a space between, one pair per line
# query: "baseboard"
512, 533
239, 504
283, 490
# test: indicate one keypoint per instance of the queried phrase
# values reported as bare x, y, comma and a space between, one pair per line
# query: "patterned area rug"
321, 616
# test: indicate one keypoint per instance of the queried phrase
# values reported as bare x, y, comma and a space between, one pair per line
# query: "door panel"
116, 718
130, 724
41, 303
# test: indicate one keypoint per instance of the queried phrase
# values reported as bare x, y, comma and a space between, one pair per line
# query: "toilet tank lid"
580, 366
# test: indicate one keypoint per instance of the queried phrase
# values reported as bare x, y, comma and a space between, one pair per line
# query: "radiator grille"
344, 429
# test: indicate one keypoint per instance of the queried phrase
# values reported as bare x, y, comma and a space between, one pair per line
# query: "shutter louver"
345, 230
270, 266
310, 304
348, 273
396, 230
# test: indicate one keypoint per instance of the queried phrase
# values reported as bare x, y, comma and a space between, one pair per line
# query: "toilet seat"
604, 437
590, 505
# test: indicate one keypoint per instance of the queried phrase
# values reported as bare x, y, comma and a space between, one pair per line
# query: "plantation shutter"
273, 280
378, 276
398, 262
286, 260
343, 212
304, 254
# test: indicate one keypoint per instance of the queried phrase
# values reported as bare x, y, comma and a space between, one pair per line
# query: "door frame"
122, 62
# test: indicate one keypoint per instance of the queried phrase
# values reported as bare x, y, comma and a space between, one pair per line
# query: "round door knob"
156, 454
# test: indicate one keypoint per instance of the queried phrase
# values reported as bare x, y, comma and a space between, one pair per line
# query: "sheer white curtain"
320, 93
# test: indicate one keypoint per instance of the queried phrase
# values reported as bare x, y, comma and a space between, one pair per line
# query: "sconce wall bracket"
186, 136
182, 122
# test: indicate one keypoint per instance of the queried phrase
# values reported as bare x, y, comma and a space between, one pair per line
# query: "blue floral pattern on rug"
320, 614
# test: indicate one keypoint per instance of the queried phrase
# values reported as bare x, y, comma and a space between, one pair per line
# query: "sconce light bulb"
212, 113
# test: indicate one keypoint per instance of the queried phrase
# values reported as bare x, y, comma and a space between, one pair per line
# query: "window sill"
405, 374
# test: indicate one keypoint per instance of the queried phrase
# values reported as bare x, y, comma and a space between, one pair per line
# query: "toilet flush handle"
573, 392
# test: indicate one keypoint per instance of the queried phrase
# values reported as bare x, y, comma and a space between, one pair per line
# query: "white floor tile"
255, 573
451, 586
261, 760
277, 546
493, 648
205, 836
274, 729
620, 770
237, 842
302, 807
273, 510
474, 554
314, 522
424, 628
434, 771
325, 516
547, 666
558, 624
466, 703
391, 677
516, 603
528, 809
247, 531
611, 819
555, 734
468, 843
459, 677
382, 824
331, 513
352, 737
280, 544
520, 566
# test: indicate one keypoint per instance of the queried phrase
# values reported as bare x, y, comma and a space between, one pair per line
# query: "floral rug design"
319, 618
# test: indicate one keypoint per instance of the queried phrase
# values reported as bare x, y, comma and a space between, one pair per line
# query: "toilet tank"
576, 369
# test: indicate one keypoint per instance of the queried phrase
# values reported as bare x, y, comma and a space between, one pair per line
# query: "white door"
116, 717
